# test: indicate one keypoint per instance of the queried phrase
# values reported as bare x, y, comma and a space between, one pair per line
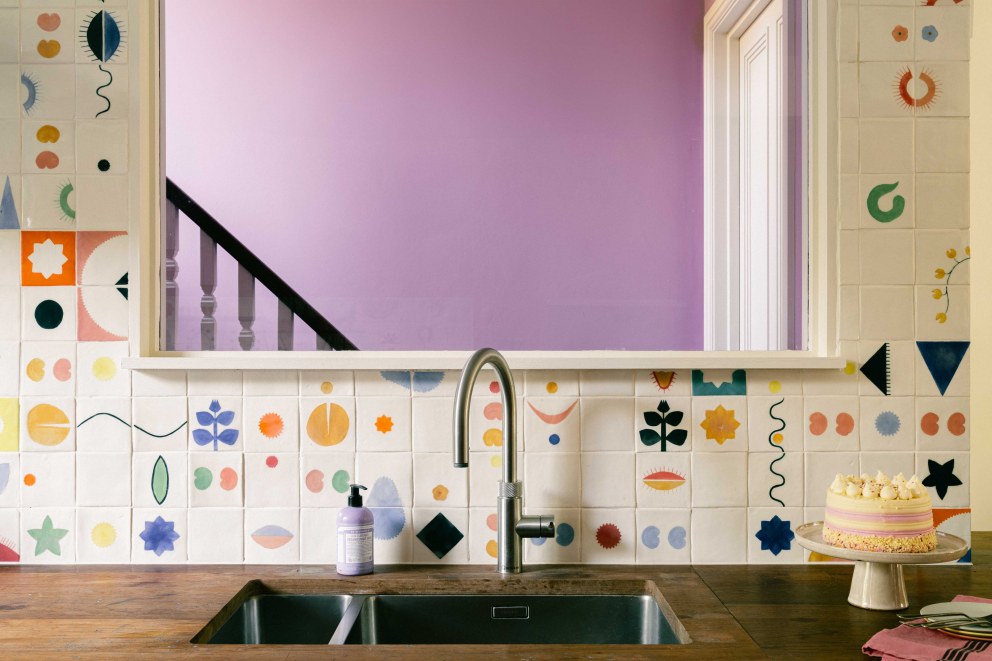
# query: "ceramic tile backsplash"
102, 465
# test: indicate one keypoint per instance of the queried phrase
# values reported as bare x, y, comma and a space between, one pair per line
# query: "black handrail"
262, 273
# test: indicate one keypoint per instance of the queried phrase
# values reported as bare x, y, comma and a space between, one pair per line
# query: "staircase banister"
261, 272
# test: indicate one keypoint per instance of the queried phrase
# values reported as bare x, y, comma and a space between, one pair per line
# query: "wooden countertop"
733, 612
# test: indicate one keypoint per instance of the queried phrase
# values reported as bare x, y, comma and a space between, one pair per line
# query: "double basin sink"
628, 613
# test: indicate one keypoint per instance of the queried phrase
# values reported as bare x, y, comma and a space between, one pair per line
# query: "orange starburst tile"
384, 424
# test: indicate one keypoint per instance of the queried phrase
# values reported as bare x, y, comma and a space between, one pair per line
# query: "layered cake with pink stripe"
879, 514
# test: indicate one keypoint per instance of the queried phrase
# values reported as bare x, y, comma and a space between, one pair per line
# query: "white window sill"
455, 360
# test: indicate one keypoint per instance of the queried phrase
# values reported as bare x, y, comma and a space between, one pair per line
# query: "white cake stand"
877, 583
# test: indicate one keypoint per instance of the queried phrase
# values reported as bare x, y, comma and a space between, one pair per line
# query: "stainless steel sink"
262, 615
511, 619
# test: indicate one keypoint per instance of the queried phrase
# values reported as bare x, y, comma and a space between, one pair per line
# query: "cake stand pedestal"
877, 583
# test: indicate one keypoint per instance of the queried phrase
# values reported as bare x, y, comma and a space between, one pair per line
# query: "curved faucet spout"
463, 400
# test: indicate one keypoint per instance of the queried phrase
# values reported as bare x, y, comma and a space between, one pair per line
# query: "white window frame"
147, 211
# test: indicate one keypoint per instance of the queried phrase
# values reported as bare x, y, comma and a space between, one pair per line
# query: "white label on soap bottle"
354, 544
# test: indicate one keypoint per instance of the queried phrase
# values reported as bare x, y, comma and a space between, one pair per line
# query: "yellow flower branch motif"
941, 274
720, 424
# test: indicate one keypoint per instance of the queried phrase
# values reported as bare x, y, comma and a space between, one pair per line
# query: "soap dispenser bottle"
355, 526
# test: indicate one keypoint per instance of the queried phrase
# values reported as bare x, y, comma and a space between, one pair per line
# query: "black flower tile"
440, 535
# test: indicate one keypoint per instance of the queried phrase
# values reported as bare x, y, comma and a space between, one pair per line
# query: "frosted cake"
879, 514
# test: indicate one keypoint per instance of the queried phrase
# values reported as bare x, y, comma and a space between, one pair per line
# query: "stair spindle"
246, 308
284, 327
208, 283
171, 272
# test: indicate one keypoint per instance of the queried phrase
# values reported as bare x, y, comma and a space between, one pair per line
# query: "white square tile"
272, 480
775, 480
942, 424
608, 479
99, 371
272, 536
849, 206
719, 424
847, 89
558, 383
10, 91
887, 201
850, 257
103, 479
112, 101
606, 383
949, 37
663, 537
103, 535
272, 424
775, 423
609, 536
159, 479
10, 145
10, 28
850, 313
10, 309
552, 424
942, 201
101, 146
10, 256
719, 536
216, 535
215, 479
433, 424
102, 202
875, 84
158, 536
771, 535
822, 468
10, 476
607, 424
389, 477
159, 424
214, 384
550, 479
887, 423
674, 412
382, 424
663, 480
48, 368
47, 425
48, 202
887, 34
215, 424
314, 383
850, 147
48, 535
564, 547
163, 383
458, 554
831, 424
886, 145
393, 540
942, 145
104, 424
324, 478
437, 483
719, 479
940, 471
887, 312
847, 33
887, 257
949, 84
327, 424
267, 383
318, 536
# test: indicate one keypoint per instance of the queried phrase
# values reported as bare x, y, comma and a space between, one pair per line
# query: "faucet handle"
536, 526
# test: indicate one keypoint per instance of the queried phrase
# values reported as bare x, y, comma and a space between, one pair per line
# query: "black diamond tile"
440, 535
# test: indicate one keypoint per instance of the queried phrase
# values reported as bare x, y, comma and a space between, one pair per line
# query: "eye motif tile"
663, 483
271, 536
48, 258
102, 35
215, 425
215, 479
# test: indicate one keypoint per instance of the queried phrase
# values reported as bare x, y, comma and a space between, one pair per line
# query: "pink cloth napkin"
909, 643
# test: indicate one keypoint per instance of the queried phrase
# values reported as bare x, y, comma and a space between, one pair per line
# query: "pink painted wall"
395, 160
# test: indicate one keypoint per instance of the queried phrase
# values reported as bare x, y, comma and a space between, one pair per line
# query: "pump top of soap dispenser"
355, 499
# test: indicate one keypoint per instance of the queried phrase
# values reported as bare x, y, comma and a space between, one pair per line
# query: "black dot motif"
48, 314
104, 165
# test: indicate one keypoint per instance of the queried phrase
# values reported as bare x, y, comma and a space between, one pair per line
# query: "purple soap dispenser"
355, 536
